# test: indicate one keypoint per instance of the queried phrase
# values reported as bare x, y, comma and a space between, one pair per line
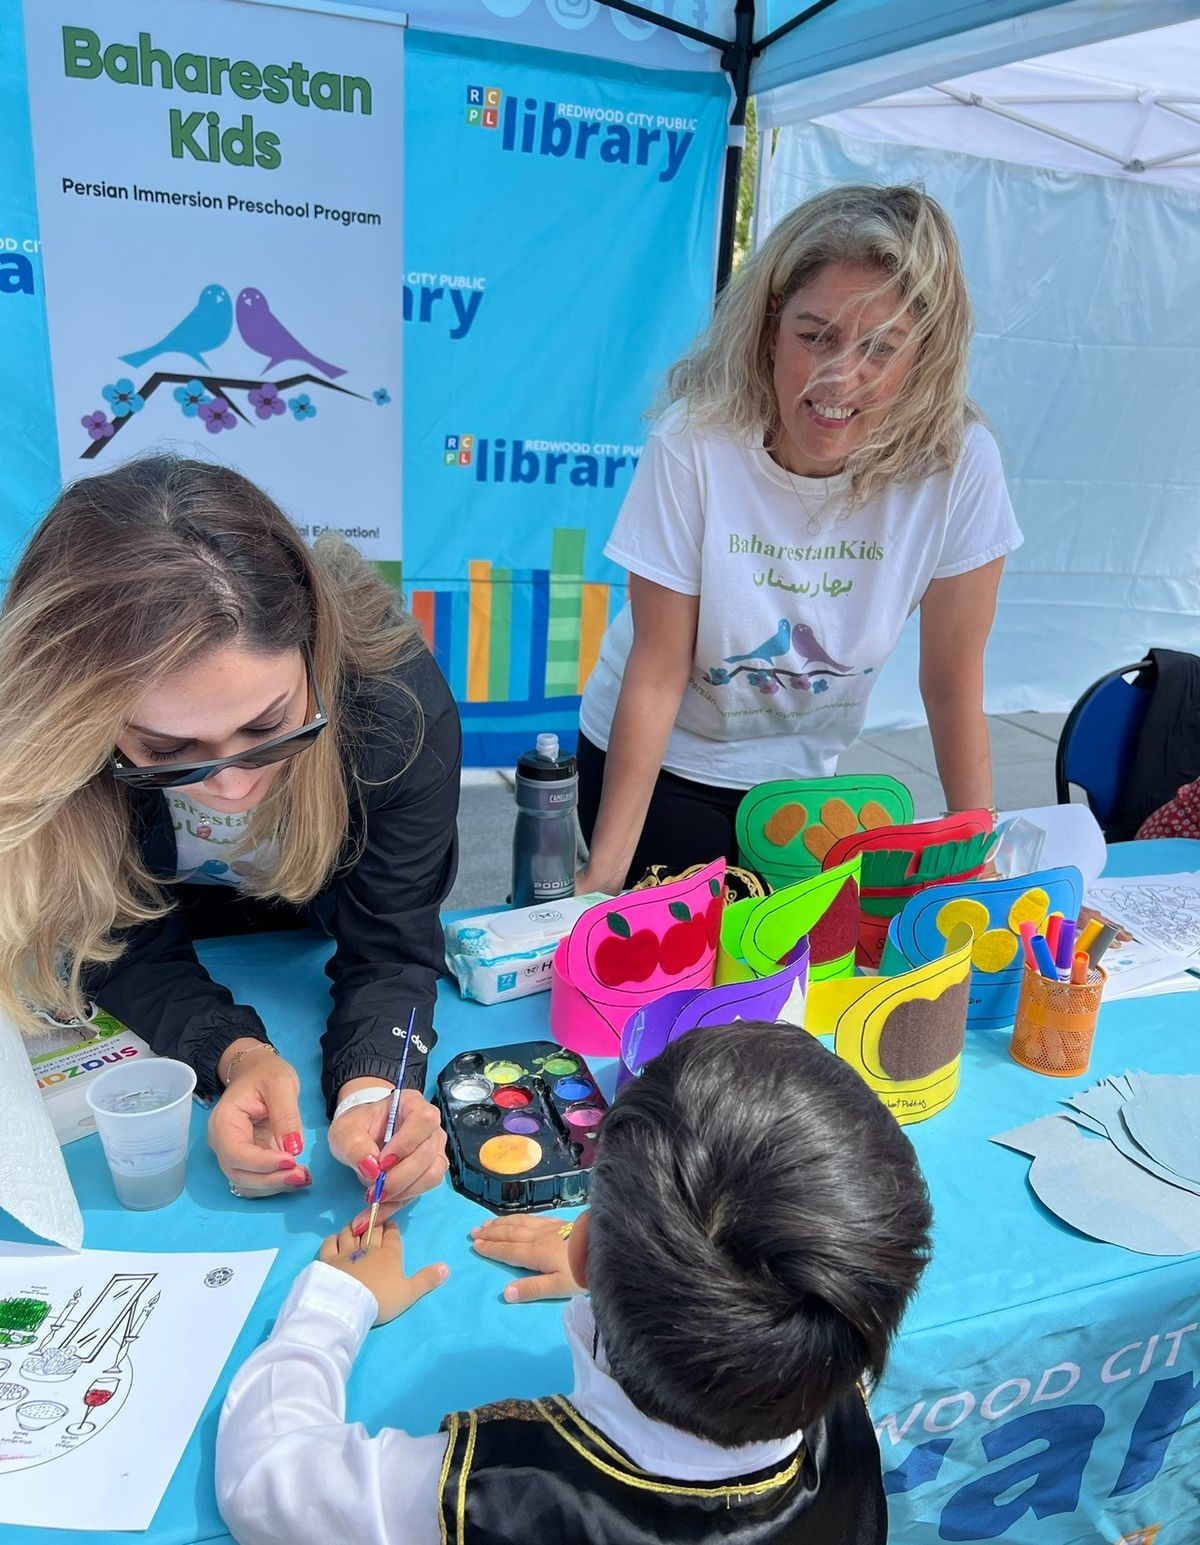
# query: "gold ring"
565, 1231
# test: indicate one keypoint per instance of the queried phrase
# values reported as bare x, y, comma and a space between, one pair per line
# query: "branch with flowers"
211, 400
770, 679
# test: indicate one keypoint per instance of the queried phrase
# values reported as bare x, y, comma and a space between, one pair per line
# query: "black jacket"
381, 906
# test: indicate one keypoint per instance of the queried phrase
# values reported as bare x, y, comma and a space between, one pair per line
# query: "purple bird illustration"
264, 332
776, 644
804, 642
206, 327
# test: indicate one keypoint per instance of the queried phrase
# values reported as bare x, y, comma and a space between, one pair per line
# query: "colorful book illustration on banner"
903, 1033
898, 861
625, 952
759, 934
993, 911
652, 1028
786, 828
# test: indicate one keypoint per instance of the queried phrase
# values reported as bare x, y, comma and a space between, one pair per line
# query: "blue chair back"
1100, 735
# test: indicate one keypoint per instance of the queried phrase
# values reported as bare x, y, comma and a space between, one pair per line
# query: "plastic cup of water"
143, 1111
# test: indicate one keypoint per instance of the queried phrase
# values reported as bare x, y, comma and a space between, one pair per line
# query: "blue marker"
1045, 960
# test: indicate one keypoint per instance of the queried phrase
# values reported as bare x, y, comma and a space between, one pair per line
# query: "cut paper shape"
993, 910
758, 935
628, 950
1087, 1183
775, 998
1163, 1117
899, 860
904, 1034
786, 827
1104, 1109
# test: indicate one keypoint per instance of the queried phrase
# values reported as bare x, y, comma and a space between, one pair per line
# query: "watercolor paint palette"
521, 1124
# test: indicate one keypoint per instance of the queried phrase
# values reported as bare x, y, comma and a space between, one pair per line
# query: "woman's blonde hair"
134, 575
726, 378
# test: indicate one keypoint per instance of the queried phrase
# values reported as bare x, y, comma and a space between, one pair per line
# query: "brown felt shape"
784, 824
921, 1036
837, 815
835, 932
872, 815
818, 840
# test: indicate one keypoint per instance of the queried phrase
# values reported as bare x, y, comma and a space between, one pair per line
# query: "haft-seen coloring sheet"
106, 1362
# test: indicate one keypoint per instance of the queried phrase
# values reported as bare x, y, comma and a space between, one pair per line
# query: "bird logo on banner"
262, 330
206, 327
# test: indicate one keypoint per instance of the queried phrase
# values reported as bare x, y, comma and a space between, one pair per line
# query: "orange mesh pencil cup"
1055, 1023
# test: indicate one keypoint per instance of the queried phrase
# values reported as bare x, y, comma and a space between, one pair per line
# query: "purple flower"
97, 425
190, 397
123, 398
217, 416
302, 407
266, 400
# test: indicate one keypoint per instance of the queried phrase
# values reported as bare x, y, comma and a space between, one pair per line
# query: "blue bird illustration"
206, 327
778, 643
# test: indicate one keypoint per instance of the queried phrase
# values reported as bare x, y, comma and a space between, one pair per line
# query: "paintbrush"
393, 1108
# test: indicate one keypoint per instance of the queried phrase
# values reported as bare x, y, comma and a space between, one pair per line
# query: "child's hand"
537, 1244
381, 1270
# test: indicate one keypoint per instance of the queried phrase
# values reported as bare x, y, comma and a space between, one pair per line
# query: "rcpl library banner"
220, 198
561, 217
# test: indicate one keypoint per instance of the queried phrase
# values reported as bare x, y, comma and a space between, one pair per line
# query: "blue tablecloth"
1037, 1393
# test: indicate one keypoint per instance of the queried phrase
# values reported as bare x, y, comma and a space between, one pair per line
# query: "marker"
1080, 967
1053, 924
1045, 960
1027, 931
1100, 943
1090, 930
1065, 953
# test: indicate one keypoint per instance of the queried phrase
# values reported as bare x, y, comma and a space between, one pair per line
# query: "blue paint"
572, 1088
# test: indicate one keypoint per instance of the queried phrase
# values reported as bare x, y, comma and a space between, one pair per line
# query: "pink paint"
582, 1116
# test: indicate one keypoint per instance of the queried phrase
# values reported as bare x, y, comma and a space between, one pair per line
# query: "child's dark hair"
759, 1223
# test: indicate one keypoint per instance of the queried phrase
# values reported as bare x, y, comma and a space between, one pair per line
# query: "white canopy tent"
1074, 181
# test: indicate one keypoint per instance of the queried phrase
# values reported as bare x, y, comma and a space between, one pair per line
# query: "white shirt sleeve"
659, 533
290, 1469
982, 524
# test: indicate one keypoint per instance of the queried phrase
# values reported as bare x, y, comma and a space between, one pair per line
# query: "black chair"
1098, 740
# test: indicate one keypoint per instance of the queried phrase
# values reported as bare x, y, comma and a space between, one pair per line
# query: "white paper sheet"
1137, 970
1158, 909
148, 1336
34, 1185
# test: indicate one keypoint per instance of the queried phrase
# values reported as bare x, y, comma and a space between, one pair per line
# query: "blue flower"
381, 395
190, 398
302, 407
123, 398
820, 685
716, 675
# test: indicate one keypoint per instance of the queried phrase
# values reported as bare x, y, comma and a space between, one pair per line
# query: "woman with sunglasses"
209, 727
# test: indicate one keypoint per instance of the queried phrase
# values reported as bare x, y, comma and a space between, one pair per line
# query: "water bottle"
543, 867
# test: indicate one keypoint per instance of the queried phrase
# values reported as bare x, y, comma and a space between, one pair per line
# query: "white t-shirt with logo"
205, 841
801, 599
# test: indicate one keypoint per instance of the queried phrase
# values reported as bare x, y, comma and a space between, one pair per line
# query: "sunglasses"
173, 775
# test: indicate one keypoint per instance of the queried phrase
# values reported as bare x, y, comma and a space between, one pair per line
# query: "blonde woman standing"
819, 475
207, 726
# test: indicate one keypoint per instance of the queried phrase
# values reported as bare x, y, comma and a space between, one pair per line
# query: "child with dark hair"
758, 1224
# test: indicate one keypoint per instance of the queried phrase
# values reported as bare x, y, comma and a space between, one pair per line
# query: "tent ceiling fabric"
1125, 108
789, 93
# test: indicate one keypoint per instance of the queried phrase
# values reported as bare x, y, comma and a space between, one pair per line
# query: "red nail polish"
359, 1228
286, 1163
298, 1177
293, 1143
389, 1161
368, 1168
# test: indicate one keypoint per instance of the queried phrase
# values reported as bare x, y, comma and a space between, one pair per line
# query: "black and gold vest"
523, 1471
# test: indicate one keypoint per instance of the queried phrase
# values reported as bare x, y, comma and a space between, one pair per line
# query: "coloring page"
1163, 910
106, 1362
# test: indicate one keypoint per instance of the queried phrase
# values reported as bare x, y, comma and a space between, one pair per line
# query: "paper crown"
786, 827
758, 935
652, 1028
905, 1033
993, 911
899, 861
625, 952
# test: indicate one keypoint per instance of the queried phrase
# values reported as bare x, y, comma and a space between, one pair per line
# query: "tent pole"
735, 61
